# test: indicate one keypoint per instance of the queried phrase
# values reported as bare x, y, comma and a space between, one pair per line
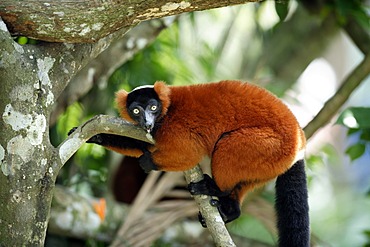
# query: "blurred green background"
280, 46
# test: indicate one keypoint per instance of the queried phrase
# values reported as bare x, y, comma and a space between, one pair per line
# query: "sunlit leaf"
355, 117
22, 40
356, 151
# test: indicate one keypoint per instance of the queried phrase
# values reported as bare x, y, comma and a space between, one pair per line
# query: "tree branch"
96, 125
334, 103
215, 224
114, 125
89, 21
45, 69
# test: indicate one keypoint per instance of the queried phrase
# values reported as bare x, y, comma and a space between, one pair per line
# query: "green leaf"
250, 227
315, 160
352, 9
352, 131
282, 9
355, 117
356, 151
365, 135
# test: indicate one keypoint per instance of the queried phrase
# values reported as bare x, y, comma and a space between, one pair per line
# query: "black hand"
71, 130
98, 139
146, 162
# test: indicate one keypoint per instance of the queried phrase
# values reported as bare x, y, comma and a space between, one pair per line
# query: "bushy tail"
292, 207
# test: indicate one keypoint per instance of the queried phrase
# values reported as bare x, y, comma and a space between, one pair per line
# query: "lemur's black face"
144, 107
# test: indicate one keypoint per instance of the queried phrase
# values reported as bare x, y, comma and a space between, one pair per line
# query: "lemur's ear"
163, 92
121, 101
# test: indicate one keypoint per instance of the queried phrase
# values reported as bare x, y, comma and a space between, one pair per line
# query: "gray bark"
215, 224
32, 78
89, 21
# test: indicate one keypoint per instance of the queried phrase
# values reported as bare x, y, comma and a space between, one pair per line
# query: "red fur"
262, 135
127, 180
163, 92
136, 153
121, 98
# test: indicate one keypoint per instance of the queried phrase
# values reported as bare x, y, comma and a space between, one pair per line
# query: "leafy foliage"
357, 120
356, 9
367, 234
162, 60
327, 154
252, 228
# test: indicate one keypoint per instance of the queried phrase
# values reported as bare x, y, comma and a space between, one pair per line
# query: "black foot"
228, 208
202, 220
214, 203
207, 186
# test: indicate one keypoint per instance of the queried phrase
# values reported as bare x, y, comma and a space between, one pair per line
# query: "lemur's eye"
153, 107
136, 111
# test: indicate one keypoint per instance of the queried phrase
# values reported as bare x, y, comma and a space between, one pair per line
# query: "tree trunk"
32, 78
27, 166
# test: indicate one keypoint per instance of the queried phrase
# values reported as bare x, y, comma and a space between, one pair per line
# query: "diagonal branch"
215, 224
114, 125
332, 106
96, 125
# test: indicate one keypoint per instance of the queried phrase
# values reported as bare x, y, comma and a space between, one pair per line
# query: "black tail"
292, 207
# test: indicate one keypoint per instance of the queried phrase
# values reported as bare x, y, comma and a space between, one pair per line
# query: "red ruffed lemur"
249, 134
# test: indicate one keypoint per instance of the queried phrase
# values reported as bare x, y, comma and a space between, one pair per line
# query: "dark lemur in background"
249, 134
